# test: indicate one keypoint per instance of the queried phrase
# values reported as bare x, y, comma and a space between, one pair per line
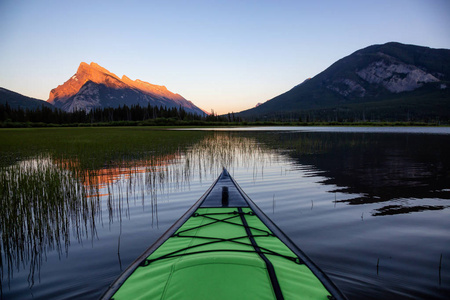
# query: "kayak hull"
223, 247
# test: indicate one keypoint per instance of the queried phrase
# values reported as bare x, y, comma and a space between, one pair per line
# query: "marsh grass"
92, 148
56, 184
226, 149
53, 182
31, 226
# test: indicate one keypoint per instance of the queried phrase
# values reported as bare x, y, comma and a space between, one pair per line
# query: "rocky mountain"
93, 86
16, 100
391, 81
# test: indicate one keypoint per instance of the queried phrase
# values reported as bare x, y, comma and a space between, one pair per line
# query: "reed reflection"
54, 198
49, 200
41, 205
230, 150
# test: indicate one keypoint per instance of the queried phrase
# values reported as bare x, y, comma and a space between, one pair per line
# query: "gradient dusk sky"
222, 55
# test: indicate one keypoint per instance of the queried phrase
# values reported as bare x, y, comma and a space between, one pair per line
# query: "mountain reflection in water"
51, 201
382, 168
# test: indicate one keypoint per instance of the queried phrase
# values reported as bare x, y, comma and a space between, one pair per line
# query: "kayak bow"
223, 247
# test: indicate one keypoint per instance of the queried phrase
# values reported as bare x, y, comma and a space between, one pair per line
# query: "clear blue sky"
222, 55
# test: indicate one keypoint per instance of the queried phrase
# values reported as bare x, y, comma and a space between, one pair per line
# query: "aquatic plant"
41, 204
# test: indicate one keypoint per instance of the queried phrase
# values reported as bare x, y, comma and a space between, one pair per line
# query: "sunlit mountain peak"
93, 86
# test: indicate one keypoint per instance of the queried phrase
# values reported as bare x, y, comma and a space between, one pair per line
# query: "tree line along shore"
162, 116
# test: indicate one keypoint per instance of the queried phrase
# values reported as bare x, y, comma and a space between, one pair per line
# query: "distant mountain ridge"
392, 81
93, 86
16, 100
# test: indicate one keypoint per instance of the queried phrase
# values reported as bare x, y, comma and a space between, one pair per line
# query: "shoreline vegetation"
161, 116
163, 122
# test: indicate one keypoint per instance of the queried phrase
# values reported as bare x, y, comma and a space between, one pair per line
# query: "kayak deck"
223, 248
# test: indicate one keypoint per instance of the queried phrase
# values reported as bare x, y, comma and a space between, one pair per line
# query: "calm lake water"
370, 206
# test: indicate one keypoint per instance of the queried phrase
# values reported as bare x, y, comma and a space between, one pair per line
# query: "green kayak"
223, 247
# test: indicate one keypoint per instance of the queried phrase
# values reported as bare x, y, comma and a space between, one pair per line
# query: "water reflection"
52, 200
399, 209
46, 200
230, 150
41, 206
382, 168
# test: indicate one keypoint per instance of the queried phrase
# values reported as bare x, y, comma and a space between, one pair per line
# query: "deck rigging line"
269, 266
261, 251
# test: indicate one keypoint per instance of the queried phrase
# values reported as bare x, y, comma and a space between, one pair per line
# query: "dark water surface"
370, 206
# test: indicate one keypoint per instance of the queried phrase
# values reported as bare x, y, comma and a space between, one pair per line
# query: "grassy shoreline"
92, 146
165, 123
